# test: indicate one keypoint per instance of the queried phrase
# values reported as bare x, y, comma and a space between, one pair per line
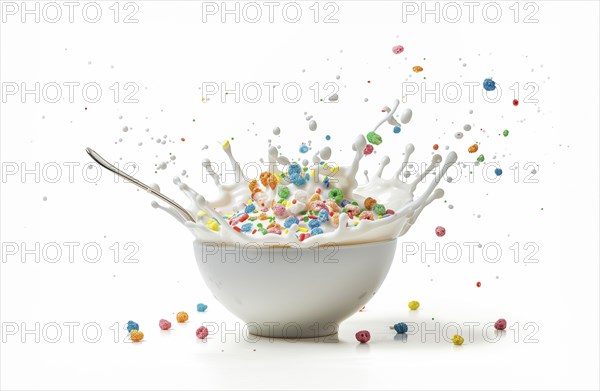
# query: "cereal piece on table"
363, 336
164, 324
401, 328
500, 324
457, 340
131, 325
136, 335
201, 307
414, 305
202, 332
182, 317
473, 148
368, 149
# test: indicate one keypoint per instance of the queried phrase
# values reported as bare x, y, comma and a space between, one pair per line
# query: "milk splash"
393, 192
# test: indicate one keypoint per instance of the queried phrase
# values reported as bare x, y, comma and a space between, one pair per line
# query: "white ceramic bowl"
293, 292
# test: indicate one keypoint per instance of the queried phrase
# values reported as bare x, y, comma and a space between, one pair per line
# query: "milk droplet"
325, 153
183, 172
205, 147
458, 135
337, 77
125, 129
276, 131
162, 166
172, 157
312, 125
45, 198
333, 98
366, 99
467, 127
406, 116
305, 162
120, 117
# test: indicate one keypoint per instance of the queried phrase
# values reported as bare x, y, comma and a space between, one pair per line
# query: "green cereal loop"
283, 192
379, 209
374, 138
336, 195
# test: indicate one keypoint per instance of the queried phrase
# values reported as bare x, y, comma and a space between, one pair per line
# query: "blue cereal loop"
316, 231
290, 221
489, 85
246, 227
201, 307
131, 325
313, 223
294, 168
249, 208
401, 328
323, 216
297, 180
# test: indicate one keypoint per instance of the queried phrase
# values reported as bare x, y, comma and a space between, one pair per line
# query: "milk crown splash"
393, 192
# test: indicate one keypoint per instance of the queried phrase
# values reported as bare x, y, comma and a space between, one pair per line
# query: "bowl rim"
256, 246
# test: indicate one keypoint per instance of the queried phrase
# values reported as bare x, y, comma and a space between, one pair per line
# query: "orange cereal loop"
370, 202
473, 148
256, 190
264, 178
182, 317
315, 197
253, 185
263, 216
136, 335
272, 182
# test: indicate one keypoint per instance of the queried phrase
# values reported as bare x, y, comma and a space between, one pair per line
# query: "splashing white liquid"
392, 192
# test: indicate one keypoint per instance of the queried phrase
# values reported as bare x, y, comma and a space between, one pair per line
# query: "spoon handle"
102, 162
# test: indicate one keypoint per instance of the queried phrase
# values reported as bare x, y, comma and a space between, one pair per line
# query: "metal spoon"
102, 162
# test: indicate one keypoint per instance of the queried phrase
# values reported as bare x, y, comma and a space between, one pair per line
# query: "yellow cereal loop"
413, 305
457, 340
212, 225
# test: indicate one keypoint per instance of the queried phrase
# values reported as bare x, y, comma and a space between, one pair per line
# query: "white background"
551, 305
